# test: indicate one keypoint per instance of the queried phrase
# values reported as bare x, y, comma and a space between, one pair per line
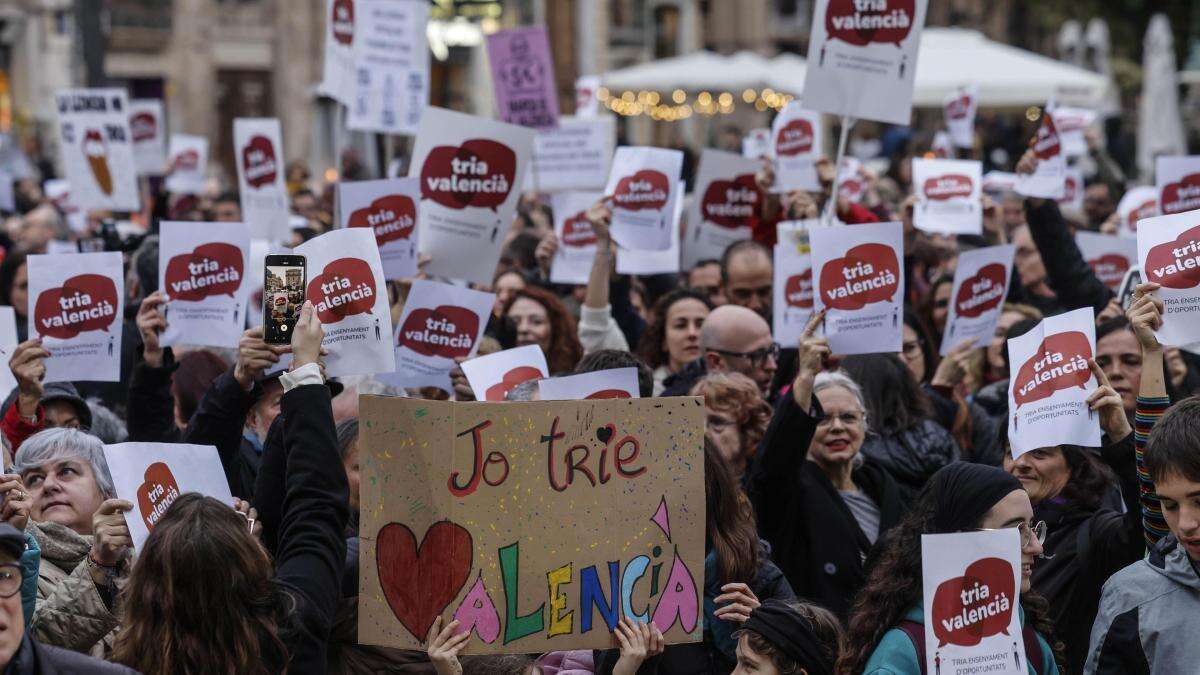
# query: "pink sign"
523, 77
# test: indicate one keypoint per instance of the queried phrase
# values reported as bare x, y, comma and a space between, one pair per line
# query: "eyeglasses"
848, 419
717, 425
1038, 531
10, 579
757, 357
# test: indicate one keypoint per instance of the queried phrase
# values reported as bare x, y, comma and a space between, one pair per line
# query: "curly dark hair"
650, 345
894, 399
565, 350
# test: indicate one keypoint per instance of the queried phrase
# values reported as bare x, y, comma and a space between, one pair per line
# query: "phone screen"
283, 295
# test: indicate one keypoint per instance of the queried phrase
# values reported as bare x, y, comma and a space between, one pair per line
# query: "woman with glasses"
736, 417
888, 616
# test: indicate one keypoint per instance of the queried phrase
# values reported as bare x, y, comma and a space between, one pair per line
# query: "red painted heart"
419, 582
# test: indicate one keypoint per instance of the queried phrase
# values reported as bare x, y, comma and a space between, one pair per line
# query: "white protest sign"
576, 241
491, 377
1072, 198
392, 65
793, 286
8, 198
941, 145
1138, 203
862, 57
958, 111
858, 277
1050, 384
641, 184
338, 75
347, 289
587, 100
258, 153
440, 322
1071, 123
58, 191
1178, 182
575, 156
1169, 253
666, 261
154, 475
972, 590
8, 344
96, 146
1049, 179
796, 146
1109, 256
186, 162
851, 183
724, 205
996, 183
202, 269
794, 233
388, 208
614, 383
147, 125
756, 144
76, 305
949, 195
471, 170
977, 296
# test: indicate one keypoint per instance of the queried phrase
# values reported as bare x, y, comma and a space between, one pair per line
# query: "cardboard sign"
598, 384
76, 305
154, 475
949, 193
1178, 182
147, 125
341, 27
576, 242
666, 261
587, 100
388, 208
202, 269
1169, 253
523, 77
793, 287
349, 293
796, 146
1138, 203
536, 525
641, 185
972, 591
724, 206
440, 322
858, 275
96, 146
258, 153
471, 169
1072, 122
977, 296
1048, 180
1050, 383
862, 58
392, 65
958, 112
8, 345
491, 377
1109, 257
575, 156
756, 144
186, 163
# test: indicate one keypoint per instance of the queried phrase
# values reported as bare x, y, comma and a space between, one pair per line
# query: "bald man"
733, 340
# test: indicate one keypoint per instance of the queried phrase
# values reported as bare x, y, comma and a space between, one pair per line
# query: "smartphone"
1133, 278
286, 277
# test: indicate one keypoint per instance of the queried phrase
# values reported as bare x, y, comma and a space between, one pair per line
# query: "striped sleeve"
1149, 411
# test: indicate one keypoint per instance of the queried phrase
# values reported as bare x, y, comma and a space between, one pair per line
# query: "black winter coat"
913, 455
34, 658
219, 420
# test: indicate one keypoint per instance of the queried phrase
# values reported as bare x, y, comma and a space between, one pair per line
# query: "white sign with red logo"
1169, 253
76, 305
977, 296
202, 268
996, 183
258, 153
958, 110
1049, 179
587, 99
948, 193
576, 241
97, 149
1178, 181
1138, 203
793, 286
341, 25
796, 144
666, 261
598, 384
1050, 384
858, 275
1072, 198
1072, 123
391, 61
756, 144
641, 184
389, 209
862, 58
147, 124
972, 591
154, 475
471, 170
347, 289
724, 205
186, 162
1109, 256
942, 146
575, 156
851, 183
8, 344
491, 377
58, 190
440, 323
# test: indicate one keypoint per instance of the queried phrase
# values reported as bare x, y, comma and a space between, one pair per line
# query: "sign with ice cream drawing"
97, 148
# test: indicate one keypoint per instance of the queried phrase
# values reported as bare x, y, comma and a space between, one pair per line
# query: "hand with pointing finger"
810, 360
1107, 403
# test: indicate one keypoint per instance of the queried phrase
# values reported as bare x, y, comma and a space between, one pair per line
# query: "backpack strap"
1034, 653
915, 630
1033, 649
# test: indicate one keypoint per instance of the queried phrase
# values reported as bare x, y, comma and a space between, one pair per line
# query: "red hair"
564, 350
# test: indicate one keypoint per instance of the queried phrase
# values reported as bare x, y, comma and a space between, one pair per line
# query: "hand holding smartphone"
286, 277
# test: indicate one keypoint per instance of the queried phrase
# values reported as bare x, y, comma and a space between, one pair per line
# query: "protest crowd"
936, 432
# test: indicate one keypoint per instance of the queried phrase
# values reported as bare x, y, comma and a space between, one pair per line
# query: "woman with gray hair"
820, 504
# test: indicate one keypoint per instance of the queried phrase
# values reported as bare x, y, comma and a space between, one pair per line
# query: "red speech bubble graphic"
1070, 185
341, 21
448, 331
210, 269
880, 22
96, 152
156, 493
1110, 268
794, 138
511, 379
798, 290
143, 127
1181, 196
1046, 145
957, 108
982, 291
608, 393
1175, 264
83, 302
977, 605
731, 203
869, 273
1060, 362
851, 188
949, 186
258, 162
479, 173
645, 189
344, 288
1144, 210
392, 217
577, 231
188, 160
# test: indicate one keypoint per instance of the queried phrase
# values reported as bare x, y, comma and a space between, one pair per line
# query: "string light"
651, 103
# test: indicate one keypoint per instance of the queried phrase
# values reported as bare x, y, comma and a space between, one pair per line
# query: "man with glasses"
733, 340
